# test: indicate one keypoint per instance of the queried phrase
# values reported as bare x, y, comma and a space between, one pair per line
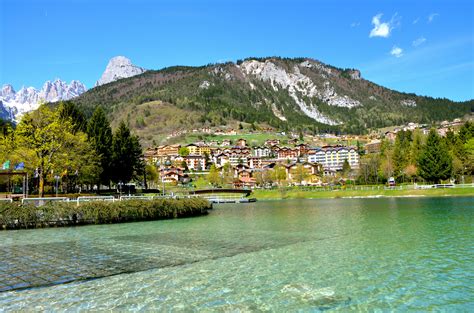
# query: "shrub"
17, 215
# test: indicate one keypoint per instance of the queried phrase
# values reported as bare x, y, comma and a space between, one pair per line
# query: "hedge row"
17, 216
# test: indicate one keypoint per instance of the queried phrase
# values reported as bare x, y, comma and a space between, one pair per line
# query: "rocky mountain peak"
118, 67
7, 92
15, 104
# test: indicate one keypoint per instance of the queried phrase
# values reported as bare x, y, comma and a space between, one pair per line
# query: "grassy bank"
315, 194
18, 216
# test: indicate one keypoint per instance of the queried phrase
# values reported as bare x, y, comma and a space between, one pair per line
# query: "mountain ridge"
284, 93
13, 104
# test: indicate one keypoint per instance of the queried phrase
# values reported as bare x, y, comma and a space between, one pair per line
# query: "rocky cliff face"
118, 67
299, 86
14, 104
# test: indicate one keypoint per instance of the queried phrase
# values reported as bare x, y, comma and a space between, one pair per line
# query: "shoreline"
361, 194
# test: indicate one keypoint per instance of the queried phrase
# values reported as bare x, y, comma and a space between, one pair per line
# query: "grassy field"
301, 194
252, 139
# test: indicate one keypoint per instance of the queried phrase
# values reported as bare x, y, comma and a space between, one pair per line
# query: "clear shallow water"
341, 254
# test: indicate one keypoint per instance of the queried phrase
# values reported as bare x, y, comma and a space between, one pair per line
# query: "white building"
261, 152
332, 158
237, 158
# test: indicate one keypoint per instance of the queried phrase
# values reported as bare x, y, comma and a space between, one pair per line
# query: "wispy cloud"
416, 20
425, 55
383, 29
432, 16
419, 41
396, 51
355, 24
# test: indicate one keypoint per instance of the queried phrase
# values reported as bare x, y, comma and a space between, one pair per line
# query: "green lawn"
252, 139
301, 194
255, 139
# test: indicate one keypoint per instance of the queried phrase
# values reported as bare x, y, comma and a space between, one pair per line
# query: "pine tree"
126, 155
469, 148
466, 132
68, 109
435, 162
346, 167
100, 136
416, 146
401, 152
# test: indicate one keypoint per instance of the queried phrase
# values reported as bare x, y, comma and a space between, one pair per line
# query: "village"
247, 162
307, 160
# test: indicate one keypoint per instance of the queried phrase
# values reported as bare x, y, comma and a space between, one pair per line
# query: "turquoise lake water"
382, 254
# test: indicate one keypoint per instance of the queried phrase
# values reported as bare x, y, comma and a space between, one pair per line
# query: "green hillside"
159, 102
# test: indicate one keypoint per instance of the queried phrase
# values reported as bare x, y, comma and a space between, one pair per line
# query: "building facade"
332, 157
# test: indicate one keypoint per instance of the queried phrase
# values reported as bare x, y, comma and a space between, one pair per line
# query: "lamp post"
167, 165
57, 181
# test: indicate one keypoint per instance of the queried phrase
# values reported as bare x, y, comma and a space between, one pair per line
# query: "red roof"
247, 179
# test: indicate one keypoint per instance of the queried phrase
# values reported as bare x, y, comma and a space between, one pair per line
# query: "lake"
310, 255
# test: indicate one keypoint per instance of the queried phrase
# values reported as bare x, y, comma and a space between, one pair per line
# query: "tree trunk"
144, 178
41, 185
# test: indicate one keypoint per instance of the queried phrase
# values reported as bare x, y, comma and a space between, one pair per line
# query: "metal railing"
376, 187
94, 198
43, 201
223, 198
138, 198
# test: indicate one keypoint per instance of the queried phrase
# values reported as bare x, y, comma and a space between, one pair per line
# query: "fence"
377, 187
94, 198
6, 199
43, 201
137, 198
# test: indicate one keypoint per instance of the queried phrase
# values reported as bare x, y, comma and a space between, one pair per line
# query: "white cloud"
383, 29
355, 24
432, 16
418, 41
380, 29
416, 20
396, 51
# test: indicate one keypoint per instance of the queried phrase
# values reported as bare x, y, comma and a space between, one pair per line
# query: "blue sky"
425, 47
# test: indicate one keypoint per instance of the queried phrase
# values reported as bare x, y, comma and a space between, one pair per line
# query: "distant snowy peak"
59, 90
27, 99
119, 67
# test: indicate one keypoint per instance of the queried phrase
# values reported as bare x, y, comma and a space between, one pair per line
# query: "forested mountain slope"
297, 93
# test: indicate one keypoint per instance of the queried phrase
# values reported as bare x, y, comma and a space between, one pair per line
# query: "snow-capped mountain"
14, 104
118, 67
